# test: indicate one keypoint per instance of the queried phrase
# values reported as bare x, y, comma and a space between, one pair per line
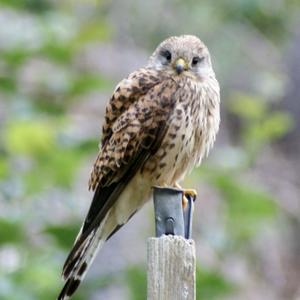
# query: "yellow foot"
186, 192
190, 192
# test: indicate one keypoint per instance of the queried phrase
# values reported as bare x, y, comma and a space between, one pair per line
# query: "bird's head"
184, 55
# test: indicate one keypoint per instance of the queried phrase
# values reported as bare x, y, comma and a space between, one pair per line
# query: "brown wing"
128, 108
133, 136
127, 92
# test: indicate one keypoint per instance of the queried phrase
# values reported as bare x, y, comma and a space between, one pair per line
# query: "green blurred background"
59, 62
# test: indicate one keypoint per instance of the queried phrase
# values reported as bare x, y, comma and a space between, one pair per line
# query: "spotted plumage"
159, 123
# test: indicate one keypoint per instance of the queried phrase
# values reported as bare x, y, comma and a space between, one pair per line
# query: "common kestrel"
159, 123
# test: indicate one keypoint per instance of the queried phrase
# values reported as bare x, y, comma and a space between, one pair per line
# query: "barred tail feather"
78, 264
100, 224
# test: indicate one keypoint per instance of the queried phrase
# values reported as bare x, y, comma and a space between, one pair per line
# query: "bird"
159, 123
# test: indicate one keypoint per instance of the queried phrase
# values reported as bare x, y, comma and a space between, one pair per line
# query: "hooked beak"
180, 65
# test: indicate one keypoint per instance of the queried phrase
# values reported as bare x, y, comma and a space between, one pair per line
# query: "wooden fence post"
171, 255
171, 268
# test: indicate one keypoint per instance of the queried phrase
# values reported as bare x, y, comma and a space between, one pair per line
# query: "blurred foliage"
63, 234
136, 277
10, 232
43, 80
38, 83
246, 208
259, 124
30, 138
210, 284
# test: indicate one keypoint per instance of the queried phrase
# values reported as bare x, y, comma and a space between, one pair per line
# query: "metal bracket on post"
170, 217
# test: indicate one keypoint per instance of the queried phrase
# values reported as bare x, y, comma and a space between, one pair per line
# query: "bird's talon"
190, 192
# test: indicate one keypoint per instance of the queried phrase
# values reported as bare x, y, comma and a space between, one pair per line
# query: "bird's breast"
192, 128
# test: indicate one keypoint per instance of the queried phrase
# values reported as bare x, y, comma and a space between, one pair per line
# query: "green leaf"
10, 232
42, 271
270, 128
247, 106
48, 106
3, 168
63, 234
7, 83
58, 52
57, 167
88, 146
15, 57
247, 208
29, 137
88, 82
38, 6
211, 285
62, 166
93, 31
137, 282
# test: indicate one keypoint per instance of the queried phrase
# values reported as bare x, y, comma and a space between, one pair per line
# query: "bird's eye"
166, 54
196, 60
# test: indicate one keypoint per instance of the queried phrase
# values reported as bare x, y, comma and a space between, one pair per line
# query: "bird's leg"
186, 192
